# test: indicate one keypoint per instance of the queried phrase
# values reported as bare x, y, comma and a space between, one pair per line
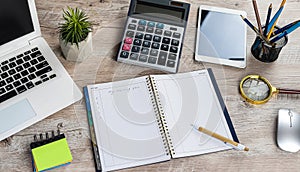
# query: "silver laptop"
33, 83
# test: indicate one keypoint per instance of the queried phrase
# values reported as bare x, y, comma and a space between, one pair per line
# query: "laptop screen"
15, 20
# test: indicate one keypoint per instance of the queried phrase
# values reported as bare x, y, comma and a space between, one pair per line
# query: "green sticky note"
51, 155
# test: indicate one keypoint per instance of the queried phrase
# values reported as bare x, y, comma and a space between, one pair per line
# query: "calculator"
153, 34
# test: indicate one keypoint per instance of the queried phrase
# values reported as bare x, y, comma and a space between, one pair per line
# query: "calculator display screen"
160, 11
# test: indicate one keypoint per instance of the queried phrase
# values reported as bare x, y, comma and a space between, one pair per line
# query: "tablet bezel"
202, 58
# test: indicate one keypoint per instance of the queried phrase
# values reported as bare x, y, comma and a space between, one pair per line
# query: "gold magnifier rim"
272, 89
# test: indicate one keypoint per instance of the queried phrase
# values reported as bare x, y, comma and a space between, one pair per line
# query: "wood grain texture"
255, 125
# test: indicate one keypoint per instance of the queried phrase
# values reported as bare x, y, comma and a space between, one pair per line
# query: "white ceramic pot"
80, 53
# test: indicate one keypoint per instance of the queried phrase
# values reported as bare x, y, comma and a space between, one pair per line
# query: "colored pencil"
286, 32
254, 29
268, 19
249, 24
257, 16
285, 27
275, 19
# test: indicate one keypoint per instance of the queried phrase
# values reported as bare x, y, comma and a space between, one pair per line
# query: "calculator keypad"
151, 44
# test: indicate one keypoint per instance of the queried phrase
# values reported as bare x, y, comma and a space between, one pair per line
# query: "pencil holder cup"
266, 52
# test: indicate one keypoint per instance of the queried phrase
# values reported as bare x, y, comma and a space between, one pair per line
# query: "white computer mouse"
288, 130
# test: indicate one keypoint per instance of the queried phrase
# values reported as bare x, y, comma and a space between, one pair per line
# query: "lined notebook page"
189, 99
125, 124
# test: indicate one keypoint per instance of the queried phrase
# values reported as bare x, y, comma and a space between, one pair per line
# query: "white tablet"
221, 36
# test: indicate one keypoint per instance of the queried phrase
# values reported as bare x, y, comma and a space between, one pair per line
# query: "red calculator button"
126, 47
128, 40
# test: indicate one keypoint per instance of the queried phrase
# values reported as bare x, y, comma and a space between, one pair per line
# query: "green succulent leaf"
76, 26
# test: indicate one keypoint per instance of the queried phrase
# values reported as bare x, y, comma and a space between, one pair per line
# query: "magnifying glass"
258, 90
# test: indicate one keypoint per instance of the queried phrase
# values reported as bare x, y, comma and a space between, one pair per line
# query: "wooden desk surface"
255, 125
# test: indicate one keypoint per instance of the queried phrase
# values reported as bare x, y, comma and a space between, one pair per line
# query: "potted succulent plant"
75, 35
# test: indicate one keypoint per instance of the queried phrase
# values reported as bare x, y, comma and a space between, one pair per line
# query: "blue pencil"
254, 29
286, 32
274, 20
268, 19
250, 25
275, 17
285, 27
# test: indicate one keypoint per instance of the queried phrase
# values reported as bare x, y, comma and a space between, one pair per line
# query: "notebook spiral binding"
161, 119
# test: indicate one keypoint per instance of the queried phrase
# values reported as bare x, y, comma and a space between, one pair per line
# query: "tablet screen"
221, 35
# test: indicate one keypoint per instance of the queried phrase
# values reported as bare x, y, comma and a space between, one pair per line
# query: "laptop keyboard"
23, 72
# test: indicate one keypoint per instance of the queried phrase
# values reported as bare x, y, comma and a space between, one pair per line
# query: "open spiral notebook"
149, 119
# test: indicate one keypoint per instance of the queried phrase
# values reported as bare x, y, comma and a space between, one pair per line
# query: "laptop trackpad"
15, 115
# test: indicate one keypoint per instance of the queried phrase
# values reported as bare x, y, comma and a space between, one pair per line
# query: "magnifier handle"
288, 91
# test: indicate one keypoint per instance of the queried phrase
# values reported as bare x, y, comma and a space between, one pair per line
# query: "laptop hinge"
8, 49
